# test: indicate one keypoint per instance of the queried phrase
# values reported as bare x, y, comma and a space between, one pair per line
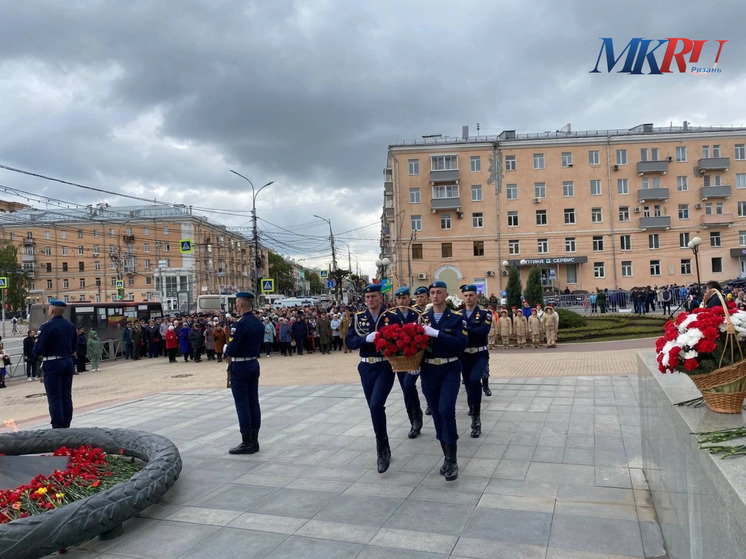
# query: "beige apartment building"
595, 209
100, 253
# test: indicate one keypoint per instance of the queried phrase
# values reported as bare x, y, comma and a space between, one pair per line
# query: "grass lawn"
581, 328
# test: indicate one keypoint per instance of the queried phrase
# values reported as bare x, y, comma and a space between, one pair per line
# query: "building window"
712, 180
167, 246
64, 267
622, 186
741, 209
621, 157
510, 163
569, 216
705, 152
686, 266
414, 166
742, 238
683, 211
655, 267
647, 183
146, 247
715, 239
66, 284
538, 161
511, 191
739, 152
81, 282
512, 219
98, 282
81, 266
623, 213
48, 267
569, 244
446, 250
567, 159
476, 192
477, 220
514, 246
47, 235
568, 189
445, 221
147, 263
595, 187
716, 150
596, 215
95, 233
145, 231
625, 242
717, 265
417, 251
64, 251
148, 281
626, 268
444, 163
416, 222
654, 241
445, 191
130, 281
97, 265
47, 251
594, 157
540, 190
49, 284
681, 153
165, 230
476, 163
112, 232
646, 211
740, 180
683, 240
113, 282
598, 244
541, 217
80, 233
542, 246
599, 270
80, 250
478, 248
63, 234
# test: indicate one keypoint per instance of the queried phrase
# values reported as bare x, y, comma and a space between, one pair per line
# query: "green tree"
282, 272
534, 293
314, 281
514, 288
18, 281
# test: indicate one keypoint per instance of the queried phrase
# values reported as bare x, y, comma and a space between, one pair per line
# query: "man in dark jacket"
81, 351
28, 356
197, 341
299, 331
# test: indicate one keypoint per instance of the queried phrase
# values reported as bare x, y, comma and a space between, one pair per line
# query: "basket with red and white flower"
403, 345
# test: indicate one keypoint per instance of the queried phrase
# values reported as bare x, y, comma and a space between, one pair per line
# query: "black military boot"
255, 439
384, 454
246, 446
416, 420
451, 464
444, 467
486, 387
476, 422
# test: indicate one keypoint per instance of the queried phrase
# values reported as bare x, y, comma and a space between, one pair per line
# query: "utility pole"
334, 253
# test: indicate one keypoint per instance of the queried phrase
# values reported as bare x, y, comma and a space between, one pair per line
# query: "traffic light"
120, 294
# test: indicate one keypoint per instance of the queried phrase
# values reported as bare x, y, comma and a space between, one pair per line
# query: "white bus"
214, 304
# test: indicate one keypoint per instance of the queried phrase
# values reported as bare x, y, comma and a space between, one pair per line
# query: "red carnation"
691, 364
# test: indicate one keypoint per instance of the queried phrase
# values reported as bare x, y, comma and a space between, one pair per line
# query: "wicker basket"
719, 377
401, 364
724, 402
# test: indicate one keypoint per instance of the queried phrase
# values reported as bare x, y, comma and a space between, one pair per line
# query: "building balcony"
714, 220
446, 204
28, 258
28, 242
722, 191
449, 175
661, 222
651, 194
388, 212
128, 238
652, 167
714, 164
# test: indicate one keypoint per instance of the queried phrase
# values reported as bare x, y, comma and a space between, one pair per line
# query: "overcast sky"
161, 98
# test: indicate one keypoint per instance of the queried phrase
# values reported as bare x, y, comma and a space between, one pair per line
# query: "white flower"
691, 354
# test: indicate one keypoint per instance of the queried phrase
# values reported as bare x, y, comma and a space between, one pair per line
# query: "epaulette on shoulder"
458, 312
359, 312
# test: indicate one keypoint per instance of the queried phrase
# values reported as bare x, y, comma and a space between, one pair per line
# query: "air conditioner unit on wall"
697, 206
490, 273
637, 209
616, 167
504, 272
537, 200
421, 276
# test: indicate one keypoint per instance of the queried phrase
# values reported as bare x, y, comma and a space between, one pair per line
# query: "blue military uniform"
243, 347
376, 375
57, 343
475, 359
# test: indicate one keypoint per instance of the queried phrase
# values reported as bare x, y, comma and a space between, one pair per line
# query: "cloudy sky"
161, 98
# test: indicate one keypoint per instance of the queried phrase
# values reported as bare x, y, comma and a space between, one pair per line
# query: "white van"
288, 302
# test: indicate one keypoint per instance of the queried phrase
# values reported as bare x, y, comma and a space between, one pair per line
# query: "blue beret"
422, 290
402, 291
438, 283
244, 295
372, 288
57, 303
468, 287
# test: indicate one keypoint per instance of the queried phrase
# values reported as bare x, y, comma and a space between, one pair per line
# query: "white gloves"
432, 332
370, 338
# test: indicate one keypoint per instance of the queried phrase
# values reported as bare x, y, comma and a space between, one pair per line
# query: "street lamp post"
382, 263
334, 252
694, 245
255, 232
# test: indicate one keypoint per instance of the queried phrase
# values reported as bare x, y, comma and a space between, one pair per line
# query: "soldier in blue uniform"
243, 348
421, 295
441, 372
408, 381
475, 359
56, 344
376, 374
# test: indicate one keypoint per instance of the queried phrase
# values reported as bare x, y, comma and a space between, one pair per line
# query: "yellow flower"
59, 495
42, 491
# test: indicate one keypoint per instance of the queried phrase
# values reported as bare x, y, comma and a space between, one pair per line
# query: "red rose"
691, 364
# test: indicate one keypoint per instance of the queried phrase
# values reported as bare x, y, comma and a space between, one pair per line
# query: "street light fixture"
382, 263
694, 245
255, 232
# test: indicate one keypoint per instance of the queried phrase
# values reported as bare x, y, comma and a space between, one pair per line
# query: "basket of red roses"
707, 344
403, 345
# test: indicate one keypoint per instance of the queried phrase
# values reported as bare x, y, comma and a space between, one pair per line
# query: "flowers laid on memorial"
405, 340
89, 470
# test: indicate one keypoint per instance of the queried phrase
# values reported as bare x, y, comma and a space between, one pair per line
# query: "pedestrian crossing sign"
4, 282
186, 245
268, 285
324, 274
120, 284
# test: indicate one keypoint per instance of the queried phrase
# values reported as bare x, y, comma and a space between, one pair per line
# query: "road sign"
386, 285
324, 274
120, 284
186, 245
4, 283
268, 285
330, 283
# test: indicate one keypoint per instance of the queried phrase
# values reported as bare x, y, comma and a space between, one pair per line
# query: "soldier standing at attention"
476, 358
57, 343
243, 348
441, 372
376, 374
408, 381
421, 295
